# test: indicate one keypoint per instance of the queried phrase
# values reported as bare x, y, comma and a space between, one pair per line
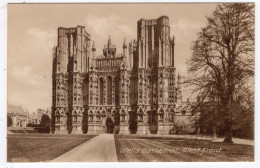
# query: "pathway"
237, 141
99, 149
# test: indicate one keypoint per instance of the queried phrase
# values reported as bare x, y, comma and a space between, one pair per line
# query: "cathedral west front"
134, 92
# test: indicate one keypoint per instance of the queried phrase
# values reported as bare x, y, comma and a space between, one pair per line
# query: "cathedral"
133, 92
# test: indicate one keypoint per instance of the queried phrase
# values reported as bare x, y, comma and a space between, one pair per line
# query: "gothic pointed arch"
101, 91
109, 90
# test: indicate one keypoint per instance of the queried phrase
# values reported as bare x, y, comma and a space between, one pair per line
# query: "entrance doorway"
110, 126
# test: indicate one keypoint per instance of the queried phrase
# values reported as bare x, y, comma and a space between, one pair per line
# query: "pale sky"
32, 32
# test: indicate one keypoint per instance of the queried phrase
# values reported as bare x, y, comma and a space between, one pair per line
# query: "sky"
32, 33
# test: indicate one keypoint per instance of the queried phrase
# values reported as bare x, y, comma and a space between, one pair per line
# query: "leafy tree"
222, 65
9, 121
45, 120
207, 122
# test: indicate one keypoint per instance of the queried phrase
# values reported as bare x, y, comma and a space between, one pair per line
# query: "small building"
18, 115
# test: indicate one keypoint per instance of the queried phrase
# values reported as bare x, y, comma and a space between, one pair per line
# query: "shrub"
45, 123
181, 129
9, 121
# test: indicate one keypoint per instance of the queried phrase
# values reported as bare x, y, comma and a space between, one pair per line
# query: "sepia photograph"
130, 82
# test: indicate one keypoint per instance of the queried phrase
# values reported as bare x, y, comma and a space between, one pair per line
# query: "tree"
46, 123
45, 120
221, 67
9, 121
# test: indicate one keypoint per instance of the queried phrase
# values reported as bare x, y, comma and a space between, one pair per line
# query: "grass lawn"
41, 147
146, 149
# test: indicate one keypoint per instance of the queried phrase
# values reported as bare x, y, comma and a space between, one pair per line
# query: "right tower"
154, 76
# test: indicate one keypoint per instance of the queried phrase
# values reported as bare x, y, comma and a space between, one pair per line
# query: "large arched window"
101, 91
109, 90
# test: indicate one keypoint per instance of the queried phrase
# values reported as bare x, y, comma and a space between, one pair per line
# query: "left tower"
69, 76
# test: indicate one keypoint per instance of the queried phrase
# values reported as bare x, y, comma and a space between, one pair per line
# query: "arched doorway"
109, 126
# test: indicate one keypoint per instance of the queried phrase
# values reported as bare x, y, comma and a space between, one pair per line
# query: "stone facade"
136, 86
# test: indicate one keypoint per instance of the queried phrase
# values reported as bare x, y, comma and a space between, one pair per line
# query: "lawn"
146, 149
41, 147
